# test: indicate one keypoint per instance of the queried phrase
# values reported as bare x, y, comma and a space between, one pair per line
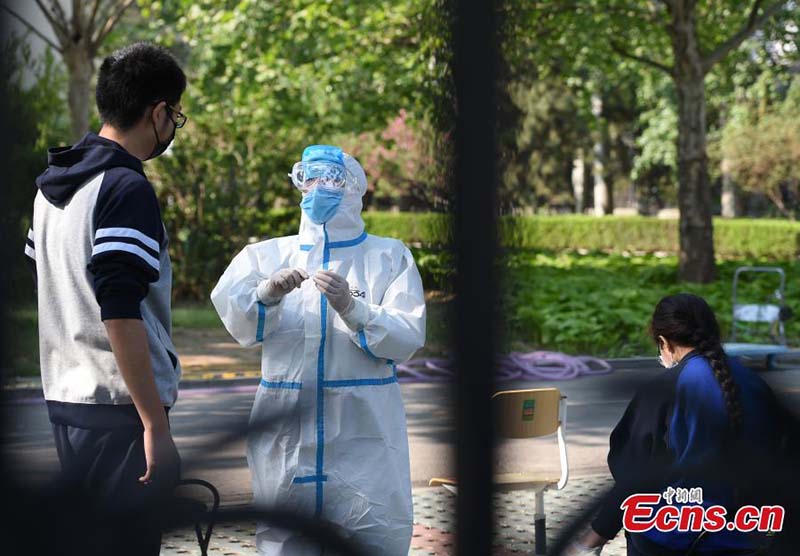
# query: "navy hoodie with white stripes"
99, 248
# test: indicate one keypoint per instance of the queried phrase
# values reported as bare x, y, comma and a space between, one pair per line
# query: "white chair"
529, 414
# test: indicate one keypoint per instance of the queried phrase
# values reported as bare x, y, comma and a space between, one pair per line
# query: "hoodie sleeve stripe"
113, 246
127, 233
30, 248
126, 244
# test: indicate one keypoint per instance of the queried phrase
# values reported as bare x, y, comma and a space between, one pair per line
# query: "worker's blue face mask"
320, 204
321, 176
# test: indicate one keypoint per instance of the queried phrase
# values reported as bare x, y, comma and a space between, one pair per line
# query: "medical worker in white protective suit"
334, 309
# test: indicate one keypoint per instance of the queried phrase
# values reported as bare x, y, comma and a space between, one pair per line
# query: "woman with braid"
706, 421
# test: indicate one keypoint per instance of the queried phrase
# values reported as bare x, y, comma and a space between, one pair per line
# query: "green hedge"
767, 239
565, 233
201, 255
733, 239
424, 229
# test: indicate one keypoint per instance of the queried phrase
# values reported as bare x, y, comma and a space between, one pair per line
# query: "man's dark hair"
133, 78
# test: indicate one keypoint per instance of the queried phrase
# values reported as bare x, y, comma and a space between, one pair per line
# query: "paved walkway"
210, 412
434, 523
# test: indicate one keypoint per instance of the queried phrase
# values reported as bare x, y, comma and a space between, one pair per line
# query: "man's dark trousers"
103, 467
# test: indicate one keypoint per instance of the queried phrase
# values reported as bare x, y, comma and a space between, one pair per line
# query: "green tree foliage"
268, 78
682, 39
762, 148
34, 91
265, 80
80, 31
401, 164
545, 44
538, 161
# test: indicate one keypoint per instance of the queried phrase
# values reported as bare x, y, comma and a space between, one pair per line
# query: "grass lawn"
195, 316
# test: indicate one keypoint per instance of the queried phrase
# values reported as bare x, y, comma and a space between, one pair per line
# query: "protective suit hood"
347, 223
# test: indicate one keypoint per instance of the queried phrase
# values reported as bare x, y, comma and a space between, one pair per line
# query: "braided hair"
687, 320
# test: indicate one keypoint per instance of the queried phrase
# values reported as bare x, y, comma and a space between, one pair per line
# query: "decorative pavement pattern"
434, 523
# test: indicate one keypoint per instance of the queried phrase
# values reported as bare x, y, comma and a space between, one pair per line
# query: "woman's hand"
592, 539
589, 545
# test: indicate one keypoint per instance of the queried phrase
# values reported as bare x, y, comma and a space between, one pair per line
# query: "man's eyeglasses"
180, 117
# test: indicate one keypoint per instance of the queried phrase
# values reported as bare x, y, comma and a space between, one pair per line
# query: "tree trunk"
588, 186
577, 181
600, 187
608, 179
80, 69
728, 196
694, 192
603, 203
728, 199
624, 155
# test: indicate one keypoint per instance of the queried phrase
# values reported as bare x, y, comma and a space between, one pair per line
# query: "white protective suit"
336, 444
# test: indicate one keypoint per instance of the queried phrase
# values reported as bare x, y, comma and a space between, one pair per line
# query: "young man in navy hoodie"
99, 248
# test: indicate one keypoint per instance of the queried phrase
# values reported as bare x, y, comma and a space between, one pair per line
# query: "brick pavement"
434, 523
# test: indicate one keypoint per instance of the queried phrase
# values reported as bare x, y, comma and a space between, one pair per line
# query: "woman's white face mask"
664, 363
667, 364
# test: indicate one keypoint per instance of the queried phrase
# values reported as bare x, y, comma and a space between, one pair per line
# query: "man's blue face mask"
321, 204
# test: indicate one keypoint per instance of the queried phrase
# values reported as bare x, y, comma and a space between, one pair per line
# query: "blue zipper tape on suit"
323, 304
260, 327
310, 479
281, 385
319, 478
359, 382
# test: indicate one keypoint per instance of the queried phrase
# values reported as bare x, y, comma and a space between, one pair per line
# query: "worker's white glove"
270, 291
336, 290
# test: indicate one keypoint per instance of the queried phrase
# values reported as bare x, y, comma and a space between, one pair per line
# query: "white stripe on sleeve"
30, 234
127, 233
30, 252
128, 248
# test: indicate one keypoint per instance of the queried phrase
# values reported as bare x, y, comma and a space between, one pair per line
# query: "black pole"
476, 285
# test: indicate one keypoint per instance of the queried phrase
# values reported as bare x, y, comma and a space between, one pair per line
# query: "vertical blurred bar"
10, 258
476, 285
